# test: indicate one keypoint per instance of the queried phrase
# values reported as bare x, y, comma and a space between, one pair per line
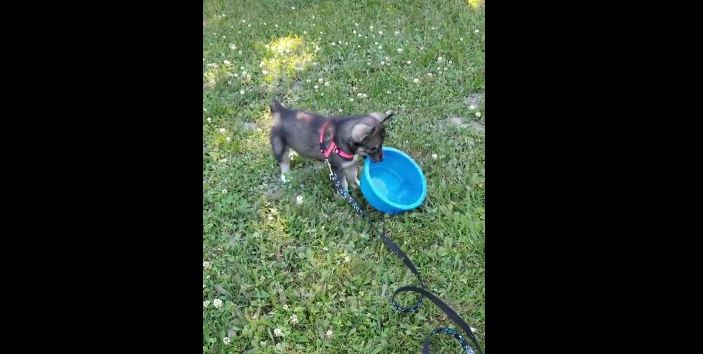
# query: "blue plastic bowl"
394, 185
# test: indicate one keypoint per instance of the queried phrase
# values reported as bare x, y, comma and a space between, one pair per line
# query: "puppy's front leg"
352, 173
341, 175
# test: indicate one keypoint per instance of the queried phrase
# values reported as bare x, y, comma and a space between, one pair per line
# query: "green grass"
269, 257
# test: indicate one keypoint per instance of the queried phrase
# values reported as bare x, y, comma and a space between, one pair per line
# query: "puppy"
343, 139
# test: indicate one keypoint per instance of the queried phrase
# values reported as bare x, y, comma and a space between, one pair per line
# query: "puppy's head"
368, 135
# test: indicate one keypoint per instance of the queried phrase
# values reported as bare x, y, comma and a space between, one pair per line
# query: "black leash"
422, 290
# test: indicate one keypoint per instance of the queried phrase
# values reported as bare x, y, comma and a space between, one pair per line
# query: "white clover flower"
223, 130
380, 32
351, 100
347, 259
209, 120
327, 83
217, 303
227, 62
226, 340
476, 31
293, 319
206, 303
396, 33
277, 332
316, 87
472, 107
224, 191
329, 333
434, 156
285, 307
408, 62
228, 139
416, 80
400, 50
299, 199
206, 265
478, 114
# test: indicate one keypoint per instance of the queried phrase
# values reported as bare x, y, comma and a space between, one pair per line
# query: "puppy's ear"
381, 117
276, 106
360, 132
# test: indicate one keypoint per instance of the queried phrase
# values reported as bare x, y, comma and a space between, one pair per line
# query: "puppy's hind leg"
281, 154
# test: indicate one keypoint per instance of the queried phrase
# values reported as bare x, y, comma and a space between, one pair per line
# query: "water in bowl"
392, 186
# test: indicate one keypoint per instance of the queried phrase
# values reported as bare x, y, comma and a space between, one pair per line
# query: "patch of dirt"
250, 126
474, 99
457, 121
477, 125
462, 123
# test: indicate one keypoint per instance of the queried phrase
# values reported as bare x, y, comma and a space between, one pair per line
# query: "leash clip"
330, 168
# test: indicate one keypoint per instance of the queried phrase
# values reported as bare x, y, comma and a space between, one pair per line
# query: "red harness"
333, 147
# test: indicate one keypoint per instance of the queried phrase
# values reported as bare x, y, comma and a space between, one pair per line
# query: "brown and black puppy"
354, 136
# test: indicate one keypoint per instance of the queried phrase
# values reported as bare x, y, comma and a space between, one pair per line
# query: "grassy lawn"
284, 276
